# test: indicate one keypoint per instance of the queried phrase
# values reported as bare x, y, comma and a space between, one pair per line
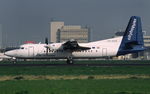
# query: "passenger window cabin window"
93, 47
52, 50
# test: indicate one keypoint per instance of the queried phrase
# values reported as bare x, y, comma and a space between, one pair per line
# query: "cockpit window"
21, 47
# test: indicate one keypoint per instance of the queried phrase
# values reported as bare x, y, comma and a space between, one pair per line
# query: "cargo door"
104, 52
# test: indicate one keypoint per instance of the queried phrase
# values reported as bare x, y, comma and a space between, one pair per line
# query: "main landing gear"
69, 60
14, 60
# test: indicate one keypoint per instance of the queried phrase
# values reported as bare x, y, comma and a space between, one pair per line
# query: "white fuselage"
103, 48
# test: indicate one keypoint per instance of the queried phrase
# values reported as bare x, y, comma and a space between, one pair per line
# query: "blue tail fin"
132, 41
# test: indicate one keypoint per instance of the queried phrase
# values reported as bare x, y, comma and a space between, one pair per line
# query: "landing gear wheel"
14, 60
69, 60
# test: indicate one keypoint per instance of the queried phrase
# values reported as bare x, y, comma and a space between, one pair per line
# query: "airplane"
130, 42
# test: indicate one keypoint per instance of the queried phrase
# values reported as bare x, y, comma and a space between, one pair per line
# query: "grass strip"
70, 70
72, 77
102, 86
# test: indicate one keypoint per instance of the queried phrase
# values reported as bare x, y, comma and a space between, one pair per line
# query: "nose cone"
10, 53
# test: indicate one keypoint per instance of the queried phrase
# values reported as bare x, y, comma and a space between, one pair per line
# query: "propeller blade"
46, 41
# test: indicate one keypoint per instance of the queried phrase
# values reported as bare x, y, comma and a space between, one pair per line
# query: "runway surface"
74, 65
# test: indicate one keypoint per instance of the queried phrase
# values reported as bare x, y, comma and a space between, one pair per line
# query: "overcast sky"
24, 20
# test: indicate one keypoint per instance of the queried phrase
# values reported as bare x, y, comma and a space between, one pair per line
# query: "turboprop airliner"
130, 42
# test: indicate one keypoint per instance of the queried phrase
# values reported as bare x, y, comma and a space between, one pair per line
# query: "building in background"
77, 33
146, 53
61, 32
54, 27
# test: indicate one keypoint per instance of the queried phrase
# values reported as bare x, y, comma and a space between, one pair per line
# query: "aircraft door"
30, 51
104, 52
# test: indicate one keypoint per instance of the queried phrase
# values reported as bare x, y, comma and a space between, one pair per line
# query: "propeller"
46, 42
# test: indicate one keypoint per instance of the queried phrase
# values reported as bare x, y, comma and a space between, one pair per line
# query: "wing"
73, 45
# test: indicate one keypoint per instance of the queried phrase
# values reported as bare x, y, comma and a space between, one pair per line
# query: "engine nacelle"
55, 46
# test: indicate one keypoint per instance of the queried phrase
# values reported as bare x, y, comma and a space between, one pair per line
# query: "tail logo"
132, 29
